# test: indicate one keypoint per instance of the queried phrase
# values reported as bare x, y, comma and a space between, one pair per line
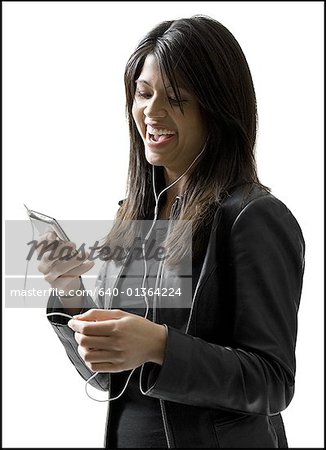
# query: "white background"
65, 145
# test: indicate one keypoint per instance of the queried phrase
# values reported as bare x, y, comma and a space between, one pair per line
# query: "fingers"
107, 367
59, 263
93, 329
48, 236
53, 251
103, 360
49, 252
70, 269
79, 270
49, 259
45, 240
96, 342
64, 280
53, 266
101, 314
99, 356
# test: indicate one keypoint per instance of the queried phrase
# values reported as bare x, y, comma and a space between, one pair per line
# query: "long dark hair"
206, 56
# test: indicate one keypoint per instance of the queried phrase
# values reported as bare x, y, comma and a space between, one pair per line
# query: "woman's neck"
171, 193
177, 188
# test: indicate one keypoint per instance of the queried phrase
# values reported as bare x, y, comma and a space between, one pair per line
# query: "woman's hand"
60, 271
114, 340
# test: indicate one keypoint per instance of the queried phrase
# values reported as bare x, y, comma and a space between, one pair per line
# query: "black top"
136, 419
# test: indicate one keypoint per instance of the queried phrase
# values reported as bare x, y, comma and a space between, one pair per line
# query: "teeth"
158, 132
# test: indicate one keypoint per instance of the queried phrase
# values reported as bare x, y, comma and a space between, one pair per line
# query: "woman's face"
172, 139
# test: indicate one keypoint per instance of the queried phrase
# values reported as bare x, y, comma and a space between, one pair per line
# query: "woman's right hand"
62, 273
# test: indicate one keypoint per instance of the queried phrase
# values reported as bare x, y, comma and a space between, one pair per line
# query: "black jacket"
229, 364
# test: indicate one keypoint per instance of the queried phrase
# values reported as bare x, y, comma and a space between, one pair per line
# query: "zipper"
174, 206
195, 295
165, 424
162, 405
107, 420
158, 281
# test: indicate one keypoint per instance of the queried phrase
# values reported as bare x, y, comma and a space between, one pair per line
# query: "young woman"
216, 368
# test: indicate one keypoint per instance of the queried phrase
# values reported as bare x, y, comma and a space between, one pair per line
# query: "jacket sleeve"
255, 375
66, 334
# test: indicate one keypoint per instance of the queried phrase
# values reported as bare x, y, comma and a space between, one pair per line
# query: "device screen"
44, 223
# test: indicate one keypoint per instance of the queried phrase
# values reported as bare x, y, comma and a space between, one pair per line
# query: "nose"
155, 108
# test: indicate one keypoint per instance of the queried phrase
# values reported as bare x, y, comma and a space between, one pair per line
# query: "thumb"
100, 314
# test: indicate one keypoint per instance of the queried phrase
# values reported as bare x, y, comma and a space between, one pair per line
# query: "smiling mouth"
158, 136
158, 140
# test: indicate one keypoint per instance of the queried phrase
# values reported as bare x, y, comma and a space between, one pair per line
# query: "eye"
174, 103
146, 95
142, 94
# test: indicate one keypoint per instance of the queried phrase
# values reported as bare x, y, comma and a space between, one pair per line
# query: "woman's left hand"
114, 340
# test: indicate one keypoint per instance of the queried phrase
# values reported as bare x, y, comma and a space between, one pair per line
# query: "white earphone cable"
157, 198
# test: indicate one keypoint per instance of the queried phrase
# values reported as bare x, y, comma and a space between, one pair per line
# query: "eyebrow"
167, 87
143, 81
